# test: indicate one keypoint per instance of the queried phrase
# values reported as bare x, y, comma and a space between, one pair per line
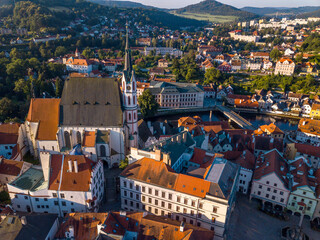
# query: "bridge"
242, 122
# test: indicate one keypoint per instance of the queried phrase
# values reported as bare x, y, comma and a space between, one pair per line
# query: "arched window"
133, 86
134, 100
134, 116
102, 151
67, 139
129, 102
129, 116
123, 86
78, 137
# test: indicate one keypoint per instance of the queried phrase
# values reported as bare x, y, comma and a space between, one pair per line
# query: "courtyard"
248, 222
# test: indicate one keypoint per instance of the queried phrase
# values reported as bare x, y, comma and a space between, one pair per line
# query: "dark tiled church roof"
93, 102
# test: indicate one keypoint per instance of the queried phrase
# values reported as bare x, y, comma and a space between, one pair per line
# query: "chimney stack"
75, 166
182, 227
70, 165
24, 220
166, 159
158, 154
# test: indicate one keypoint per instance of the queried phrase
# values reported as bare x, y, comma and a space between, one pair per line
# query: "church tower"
130, 101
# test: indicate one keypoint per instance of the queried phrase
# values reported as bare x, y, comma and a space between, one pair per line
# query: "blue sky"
236, 3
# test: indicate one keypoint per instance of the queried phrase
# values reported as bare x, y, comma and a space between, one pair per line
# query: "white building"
163, 51
64, 184
271, 182
285, 66
153, 186
78, 65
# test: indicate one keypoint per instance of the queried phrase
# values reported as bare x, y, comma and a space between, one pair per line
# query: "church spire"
128, 63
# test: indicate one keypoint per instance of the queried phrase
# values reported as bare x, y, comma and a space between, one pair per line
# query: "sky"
235, 3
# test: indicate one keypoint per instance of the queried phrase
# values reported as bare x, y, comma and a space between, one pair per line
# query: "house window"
56, 203
215, 209
37, 199
156, 202
259, 192
260, 186
143, 189
163, 194
199, 224
67, 139
178, 208
169, 205
102, 151
64, 203
170, 196
137, 188
178, 199
156, 192
201, 205
62, 195
185, 201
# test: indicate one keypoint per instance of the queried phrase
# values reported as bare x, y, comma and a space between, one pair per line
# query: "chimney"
24, 220
70, 165
45, 158
182, 227
166, 159
179, 138
158, 154
75, 163
184, 137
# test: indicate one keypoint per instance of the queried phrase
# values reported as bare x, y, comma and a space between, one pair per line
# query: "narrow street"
112, 198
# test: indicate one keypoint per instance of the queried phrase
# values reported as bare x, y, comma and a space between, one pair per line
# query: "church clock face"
128, 88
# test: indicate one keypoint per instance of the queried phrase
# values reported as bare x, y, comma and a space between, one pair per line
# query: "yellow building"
315, 111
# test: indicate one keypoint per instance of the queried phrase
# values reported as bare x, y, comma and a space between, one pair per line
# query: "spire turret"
128, 63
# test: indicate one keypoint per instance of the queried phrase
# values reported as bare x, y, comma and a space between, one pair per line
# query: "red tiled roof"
84, 225
10, 167
307, 149
272, 162
9, 133
70, 181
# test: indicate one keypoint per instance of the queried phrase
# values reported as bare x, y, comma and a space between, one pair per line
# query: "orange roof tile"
84, 224
46, 112
70, 181
192, 185
89, 139
309, 126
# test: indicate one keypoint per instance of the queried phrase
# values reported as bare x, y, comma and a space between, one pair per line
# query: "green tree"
275, 54
148, 104
59, 87
212, 75
124, 163
60, 51
7, 108
88, 53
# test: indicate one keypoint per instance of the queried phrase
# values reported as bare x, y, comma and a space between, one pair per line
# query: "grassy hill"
310, 14
121, 4
213, 7
269, 11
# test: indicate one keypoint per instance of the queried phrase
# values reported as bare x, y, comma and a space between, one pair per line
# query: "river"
256, 119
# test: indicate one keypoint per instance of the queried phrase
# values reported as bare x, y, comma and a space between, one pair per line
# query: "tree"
88, 53
212, 75
275, 54
124, 163
60, 51
7, 108
59, 87
148, 104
